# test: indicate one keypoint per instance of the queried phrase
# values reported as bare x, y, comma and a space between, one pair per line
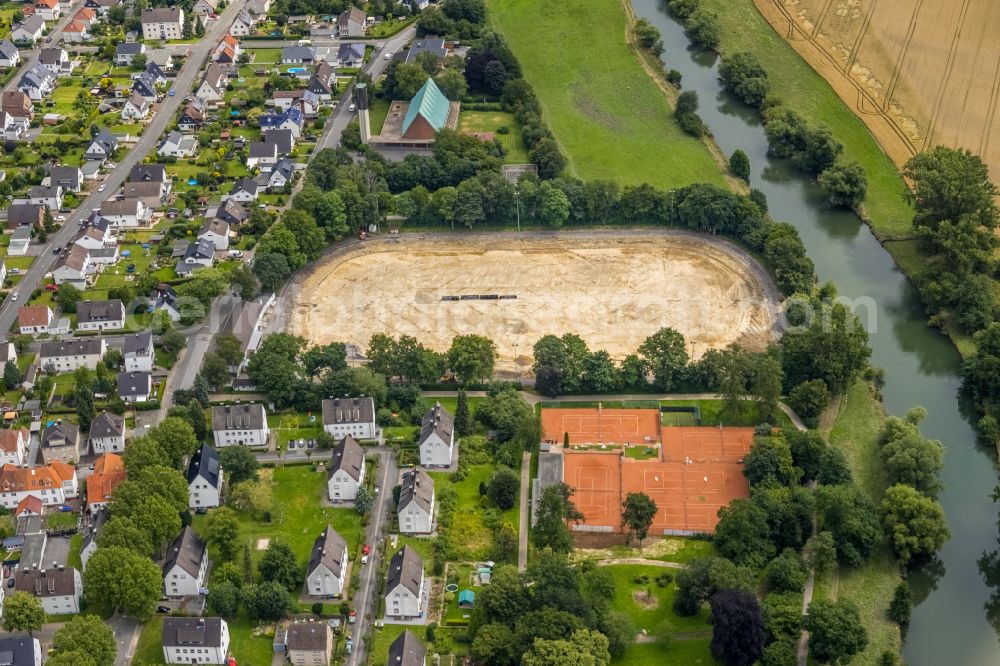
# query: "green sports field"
607, 114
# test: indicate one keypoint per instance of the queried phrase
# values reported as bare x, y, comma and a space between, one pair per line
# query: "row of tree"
700, 24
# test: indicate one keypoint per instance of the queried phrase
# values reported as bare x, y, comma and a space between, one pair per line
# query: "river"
949, 624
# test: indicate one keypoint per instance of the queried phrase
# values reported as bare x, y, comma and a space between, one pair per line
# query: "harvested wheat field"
919, 73
613, 290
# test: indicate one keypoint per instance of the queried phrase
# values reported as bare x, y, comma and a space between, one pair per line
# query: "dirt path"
522, 536
639, 560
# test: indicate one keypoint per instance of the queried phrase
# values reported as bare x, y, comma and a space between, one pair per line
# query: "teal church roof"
430, 103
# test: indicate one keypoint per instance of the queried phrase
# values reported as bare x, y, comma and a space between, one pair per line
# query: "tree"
949, 184
902, 604
807, 451
452, 84
702, 28
89, 635
910, 458
743, 74
240, 464
243, 282
833, 468
686, 114
23, 612
666, 355
463, 420
835, 631
266, 602
11, 375
278, 565
144, 452
471, 358
554, 509
494, 644
224, 599
821, 553
122, 532
738, 633
849, 515
648, 36
71, 658
215, 371
599, 372
638, 511
914, 523
584, 647
67, 297
704, 577
503, 488
786, 572
177, 439
833, 348
844, 184
549, 158
364, 500
808, 399
124, 580
770, 462
553, 206
229, 349
222, 531
783, 617
739, 165
83, 397
271, 269
742, 534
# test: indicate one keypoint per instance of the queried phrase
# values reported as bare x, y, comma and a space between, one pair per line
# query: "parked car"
162, 609
352, 617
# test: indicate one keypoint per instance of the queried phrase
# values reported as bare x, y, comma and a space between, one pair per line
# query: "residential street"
52, 38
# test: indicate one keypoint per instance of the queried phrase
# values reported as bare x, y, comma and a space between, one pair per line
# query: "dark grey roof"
134, 383
186, 551
154, 173
50, 55
137, 343
311, 636
407, 650
106, 140
437, 420
232, 212
282, 138
32, 23
46, 582
262, 149
129, 48
433, 45
238, 417
304, 53
61, 430
161, 15
348, 456
82, 347
17, 651
197, 631
67, 176
23, 213
7, 48
351, 50
107, 424
348, 410
145, 85
205, 463
201, 249
245, 184
330, 550
98, 311
406, 568
285, 167
417, 487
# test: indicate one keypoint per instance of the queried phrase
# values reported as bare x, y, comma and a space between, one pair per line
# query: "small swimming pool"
296, 70
192, 181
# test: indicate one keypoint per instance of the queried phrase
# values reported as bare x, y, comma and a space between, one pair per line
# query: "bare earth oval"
612, 289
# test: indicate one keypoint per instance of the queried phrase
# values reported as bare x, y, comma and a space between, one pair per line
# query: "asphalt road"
149, 140
53, 38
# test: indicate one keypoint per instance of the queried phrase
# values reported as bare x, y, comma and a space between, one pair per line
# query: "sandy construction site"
919, 73
613, 290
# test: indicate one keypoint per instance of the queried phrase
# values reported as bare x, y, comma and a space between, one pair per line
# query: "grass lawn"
652, 613
688, 652
297, 515
451, 404
149, 650
802, 89
712, 413
608, 115
377, 112
383, 638
467, 521
247, 648
388, 28
489, 121
20, 263
60, 520
855, 432
265, 56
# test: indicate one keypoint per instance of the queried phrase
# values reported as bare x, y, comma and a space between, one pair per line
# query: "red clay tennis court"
605, 426
701, 472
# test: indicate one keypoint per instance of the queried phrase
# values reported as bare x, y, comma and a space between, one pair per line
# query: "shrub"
674, 78
844, 184
702, 28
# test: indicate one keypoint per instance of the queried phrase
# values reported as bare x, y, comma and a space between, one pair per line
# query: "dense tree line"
701, 25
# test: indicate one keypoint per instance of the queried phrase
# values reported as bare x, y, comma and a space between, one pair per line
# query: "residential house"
404, 585
8, 352
34, 319
73, 267
56, 60
102, 7
29, 30
70, 178
59, 589
262, 155
349, 416
205, 478
240, 425
76, 32
244, 190
25, 214
14, 444
437, 437
178, 145
326, 574
284, 139
61, 356
154, 73
20, 239
86, 16
416, 503
102, 146
205, 7
50, 196
351, 23
162, 58
309, 643
107, 433
49, 10
228, 50
135, 386
164, 299
100, 315
96, 236
298, 55
29, 506
150, 173
322, 82
125, 212
126, 52
21, 650
136, 108
17, 104
280, 174
185, 570
61, 443
162, 23
351, 54
195, 255
37, 82
150, 194
259, 7
13, 128
407, 650
232, 212
191, 640
418, 5
435, 45
244, 24
213, 86
53, 484
192, 117
144, 85
90, 533
9, 55
347, 470
138, 351
282, 100
216, 232
109, 472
